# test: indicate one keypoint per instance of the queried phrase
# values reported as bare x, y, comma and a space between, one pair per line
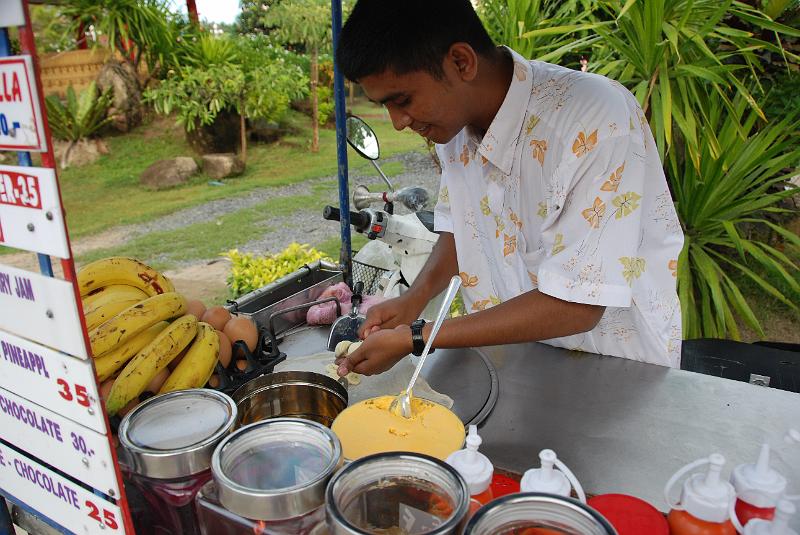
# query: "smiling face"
434, 108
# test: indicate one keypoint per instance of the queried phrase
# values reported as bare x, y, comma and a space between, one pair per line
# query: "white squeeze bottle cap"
548, 479
778, 526
705, 496
757, 483
476, 469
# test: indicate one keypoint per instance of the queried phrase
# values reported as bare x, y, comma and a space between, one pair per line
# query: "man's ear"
462, 61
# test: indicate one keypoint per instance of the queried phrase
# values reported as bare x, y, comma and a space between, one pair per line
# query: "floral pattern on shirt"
566, 200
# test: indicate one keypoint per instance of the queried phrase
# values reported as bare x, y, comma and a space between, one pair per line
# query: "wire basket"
369, 275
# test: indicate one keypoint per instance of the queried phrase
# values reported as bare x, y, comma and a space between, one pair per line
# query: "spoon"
402, 404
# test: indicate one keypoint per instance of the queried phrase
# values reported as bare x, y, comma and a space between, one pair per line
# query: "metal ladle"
402, 404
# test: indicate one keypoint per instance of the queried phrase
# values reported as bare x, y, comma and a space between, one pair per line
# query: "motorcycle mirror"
362, 138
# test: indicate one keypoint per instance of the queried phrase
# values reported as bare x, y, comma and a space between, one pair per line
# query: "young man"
553, 206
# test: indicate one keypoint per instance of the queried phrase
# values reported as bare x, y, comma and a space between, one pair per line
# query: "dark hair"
407, 35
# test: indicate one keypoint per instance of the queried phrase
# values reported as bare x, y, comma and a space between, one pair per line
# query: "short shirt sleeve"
442, 217
592, 242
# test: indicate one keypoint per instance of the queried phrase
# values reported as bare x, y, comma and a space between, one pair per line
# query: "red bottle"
476, 469
705, 501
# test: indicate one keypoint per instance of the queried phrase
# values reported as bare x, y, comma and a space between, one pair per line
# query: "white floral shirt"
565, 193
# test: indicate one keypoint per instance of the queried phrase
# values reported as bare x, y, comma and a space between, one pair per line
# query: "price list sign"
70, 504
21, 125
30, 211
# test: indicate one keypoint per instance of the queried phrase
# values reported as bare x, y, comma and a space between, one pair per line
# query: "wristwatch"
416, 337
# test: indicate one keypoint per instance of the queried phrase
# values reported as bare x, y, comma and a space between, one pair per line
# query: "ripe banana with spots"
108, 364
198, 364
153, 358
105, 312
134, 320
108, 294
121, 270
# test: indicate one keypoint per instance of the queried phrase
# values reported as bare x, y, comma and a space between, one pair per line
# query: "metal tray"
298, 288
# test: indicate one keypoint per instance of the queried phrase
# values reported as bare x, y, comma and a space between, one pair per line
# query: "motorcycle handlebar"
359, 220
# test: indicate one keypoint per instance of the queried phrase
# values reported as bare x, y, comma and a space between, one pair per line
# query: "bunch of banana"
108, 364
151, 360
135, 319
120, 270
110, 301
198, 364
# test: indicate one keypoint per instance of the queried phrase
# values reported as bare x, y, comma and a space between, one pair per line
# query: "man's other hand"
388, 315
381, 350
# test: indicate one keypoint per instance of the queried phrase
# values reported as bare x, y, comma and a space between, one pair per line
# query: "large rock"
222, 165
126, 108
168, 173
83, 152
220, 136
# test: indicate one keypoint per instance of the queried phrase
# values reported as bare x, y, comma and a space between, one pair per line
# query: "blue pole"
346, 254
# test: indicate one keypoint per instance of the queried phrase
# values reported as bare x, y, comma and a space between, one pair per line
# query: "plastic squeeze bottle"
548, 479
705, 501
475, 468
758, 488
779, 526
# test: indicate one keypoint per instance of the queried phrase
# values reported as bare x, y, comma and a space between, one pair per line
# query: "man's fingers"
350, 362
369, 326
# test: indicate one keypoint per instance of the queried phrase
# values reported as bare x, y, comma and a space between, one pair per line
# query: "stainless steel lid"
174, 434
513, 513
275, 469
404, 492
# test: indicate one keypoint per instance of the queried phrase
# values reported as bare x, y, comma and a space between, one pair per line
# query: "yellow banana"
198, 364
121, 270
107, 365
107, 294
104, 313
134, 320
153, 358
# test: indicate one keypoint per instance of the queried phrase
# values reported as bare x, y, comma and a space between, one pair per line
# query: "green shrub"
724, 207
80, 116
250, 272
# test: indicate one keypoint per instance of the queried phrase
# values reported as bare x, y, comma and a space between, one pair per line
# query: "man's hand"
380, 351
389, 314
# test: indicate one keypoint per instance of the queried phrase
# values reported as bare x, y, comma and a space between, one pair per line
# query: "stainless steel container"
555, 514
174, 435
275, 469
167, 444
307, 395
303, 286
405, 493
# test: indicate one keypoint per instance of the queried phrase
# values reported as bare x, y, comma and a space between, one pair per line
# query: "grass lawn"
107, 194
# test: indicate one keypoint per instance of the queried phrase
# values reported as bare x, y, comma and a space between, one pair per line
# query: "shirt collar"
499, 142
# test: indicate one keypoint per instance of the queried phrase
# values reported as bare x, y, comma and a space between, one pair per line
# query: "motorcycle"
399, 245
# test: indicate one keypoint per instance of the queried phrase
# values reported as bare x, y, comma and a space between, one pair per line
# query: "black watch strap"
416, 337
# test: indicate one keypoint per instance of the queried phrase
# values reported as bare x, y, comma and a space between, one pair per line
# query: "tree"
305, 22
250, 18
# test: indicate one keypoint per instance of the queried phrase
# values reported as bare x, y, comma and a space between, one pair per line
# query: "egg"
241, 365
128, 408
105, 388
242, 328
177, 360
157, 381
224, 349
217, 317
213, 381
196, 308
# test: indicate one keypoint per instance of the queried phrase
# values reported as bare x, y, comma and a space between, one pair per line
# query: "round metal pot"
415, 493
548, 512
276, 469
308, 395
174, 435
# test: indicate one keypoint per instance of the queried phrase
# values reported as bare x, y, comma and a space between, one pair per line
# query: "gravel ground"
307, 226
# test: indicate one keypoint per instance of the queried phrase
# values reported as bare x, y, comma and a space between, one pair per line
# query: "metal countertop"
626, 426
